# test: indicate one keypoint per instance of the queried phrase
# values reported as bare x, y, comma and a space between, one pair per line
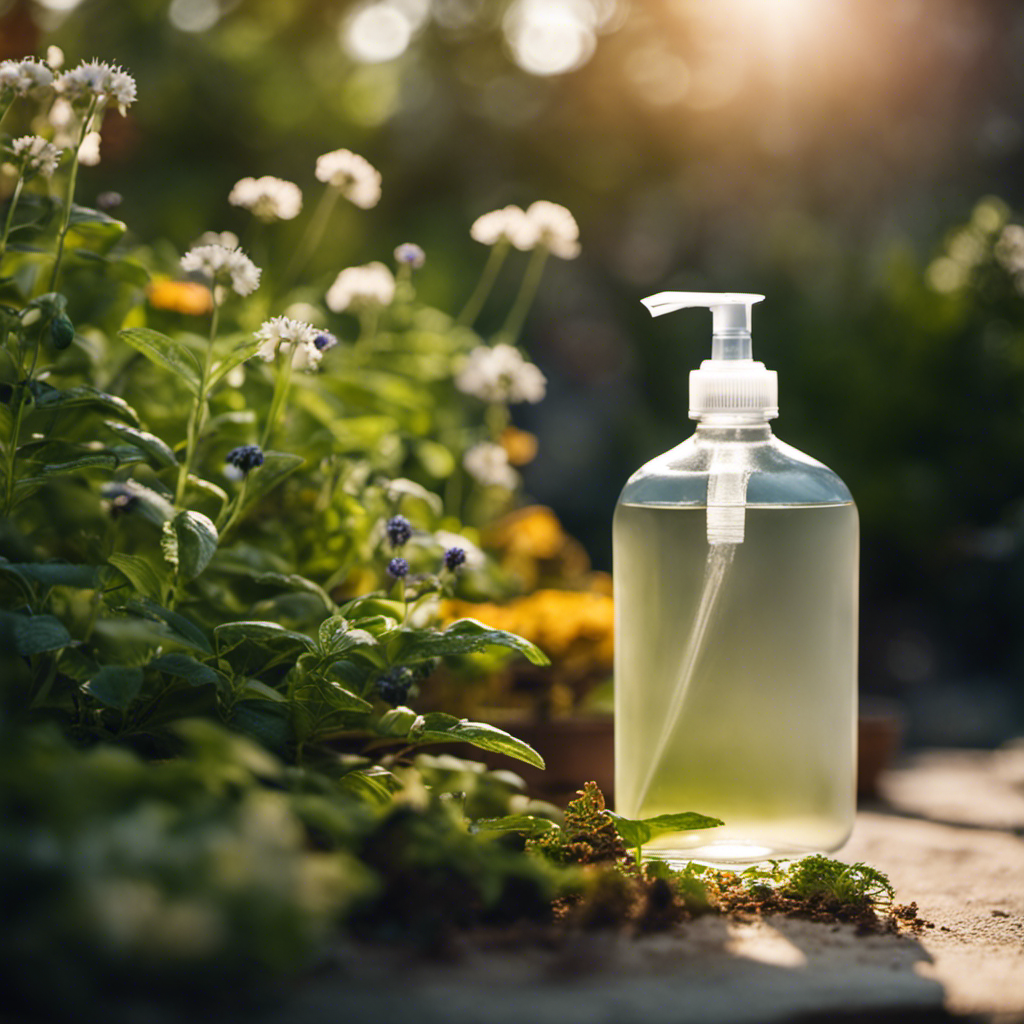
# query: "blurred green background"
855, 160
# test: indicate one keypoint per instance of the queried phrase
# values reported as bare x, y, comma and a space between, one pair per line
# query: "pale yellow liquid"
735, 678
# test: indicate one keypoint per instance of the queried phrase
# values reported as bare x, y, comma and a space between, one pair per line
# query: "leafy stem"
198, 416
483, 287
72, 181
313, 234
527, 292
281, 386
10, 215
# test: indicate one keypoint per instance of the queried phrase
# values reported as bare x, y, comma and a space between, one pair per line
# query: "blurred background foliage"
841, 156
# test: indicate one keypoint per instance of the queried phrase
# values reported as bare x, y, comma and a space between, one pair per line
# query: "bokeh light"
377, 32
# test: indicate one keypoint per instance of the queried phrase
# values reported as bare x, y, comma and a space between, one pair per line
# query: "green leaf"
333, 695
208, 488
374, 785
188, 631
85, 397
235, 358
636, 832
115, 685
189, 542
261, 691
436, 459
195, 673
166, 352
336, 635
153, 507
462, 637
292, 581
231, 634
105, 459
153, 446
438, 727
263, 720
55, 574
140, 573
276, 467
524, 824
36, 634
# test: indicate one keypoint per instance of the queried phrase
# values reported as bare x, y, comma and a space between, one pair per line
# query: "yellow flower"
188, 297
520, 445
534, 531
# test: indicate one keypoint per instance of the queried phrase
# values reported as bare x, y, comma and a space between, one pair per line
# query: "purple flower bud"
398, 530
412, 254
246, 458
453, 558
325, 340
398, 568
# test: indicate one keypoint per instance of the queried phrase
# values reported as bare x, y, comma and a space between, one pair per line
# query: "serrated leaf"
141, 574
277, 466
166, 352
36, 634
84, 396
55, 574
115, 685
195, 673
231, 634
523, 824
462, 637
190, 541
438, 727
160, 452
332, 694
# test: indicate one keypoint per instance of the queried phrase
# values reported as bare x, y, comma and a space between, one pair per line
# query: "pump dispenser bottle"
736, 565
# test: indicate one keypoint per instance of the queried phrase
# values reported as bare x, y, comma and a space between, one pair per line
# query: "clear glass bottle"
736, 576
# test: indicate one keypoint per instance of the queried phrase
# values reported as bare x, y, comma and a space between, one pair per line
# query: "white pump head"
730, 382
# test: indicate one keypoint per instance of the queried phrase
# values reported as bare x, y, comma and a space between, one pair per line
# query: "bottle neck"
733, 427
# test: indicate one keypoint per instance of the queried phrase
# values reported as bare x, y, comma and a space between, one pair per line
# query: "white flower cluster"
23, 78
223, 264
542, 223
227, 239
268, 198
89, 150
36, 156
286, 334
352, 175
357, 288
95, 80
501, 374
487, 463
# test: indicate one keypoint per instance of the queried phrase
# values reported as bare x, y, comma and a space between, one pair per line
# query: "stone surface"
967, 878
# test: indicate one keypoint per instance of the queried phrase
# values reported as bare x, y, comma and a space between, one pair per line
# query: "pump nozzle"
730, 382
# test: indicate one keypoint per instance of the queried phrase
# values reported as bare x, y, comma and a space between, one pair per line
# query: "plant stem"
72, 181
281, 385
3, 112
483, 288
231, 511
198, 417
314, 233
527, 291
10, 215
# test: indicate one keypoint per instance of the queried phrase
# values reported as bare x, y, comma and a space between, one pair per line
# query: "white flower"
359, 287
227, 239
36, 155
223, 264
556, 228
268, 198
508, 224
55, 57
488, 464
89, 151
24, 77
353, 175
284, 333
99, 81
501, 374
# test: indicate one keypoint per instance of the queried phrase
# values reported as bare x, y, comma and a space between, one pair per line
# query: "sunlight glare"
377, 32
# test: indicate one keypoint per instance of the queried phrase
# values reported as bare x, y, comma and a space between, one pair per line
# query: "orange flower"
189, 297
520, 445
534, 531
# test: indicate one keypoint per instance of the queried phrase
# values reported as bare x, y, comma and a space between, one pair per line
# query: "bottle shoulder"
777, 474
